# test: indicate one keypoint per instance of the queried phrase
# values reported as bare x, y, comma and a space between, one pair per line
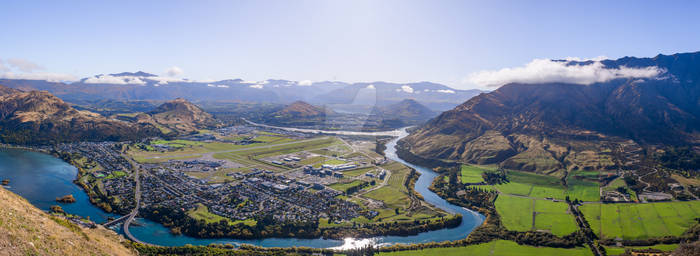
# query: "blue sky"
396, 41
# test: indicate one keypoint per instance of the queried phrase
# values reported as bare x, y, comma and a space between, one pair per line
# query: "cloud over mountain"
174, 71
563, 71
110, 79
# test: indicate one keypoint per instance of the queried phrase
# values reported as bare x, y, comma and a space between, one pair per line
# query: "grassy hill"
26, 230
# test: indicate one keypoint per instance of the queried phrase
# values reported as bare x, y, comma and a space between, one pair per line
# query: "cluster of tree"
680, 158
407, 228
380, 145
227, 249
351, 190
495, 178
361, 251
266, 226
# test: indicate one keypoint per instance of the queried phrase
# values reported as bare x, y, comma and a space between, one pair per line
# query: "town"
242, 173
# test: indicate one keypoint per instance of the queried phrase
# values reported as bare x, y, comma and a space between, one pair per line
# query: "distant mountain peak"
138, 73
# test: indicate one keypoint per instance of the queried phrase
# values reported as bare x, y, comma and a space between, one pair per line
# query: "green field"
357, 172
517, 214
344, 186
553, 216
270, 139
394, 194
202, 213
641, 221
312, 160
495, 248
619, 250
543, 186
115, 174
331, 162
471, 174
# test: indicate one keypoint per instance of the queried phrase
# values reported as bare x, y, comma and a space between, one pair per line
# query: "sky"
458, 43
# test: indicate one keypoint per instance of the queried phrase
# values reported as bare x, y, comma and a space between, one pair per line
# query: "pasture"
523, 214
471, 174
641, 221
495, 248
543, 186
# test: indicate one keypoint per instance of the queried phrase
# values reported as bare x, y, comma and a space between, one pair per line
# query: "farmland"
543, 186
619, 250
641, 221
471, 174
523, 214
495, 248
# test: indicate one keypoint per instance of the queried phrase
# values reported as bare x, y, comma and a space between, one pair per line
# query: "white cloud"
371, 87
109, 79
24, 65
249, 82
164, 80
549, 71
174, 71
222, 86
51, 77
305, 83
407, 89
445, 91
256, 86
24, 69
3, 68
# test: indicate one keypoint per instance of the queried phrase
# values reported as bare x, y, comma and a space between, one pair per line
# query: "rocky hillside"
26, 230
38, 117
552, 127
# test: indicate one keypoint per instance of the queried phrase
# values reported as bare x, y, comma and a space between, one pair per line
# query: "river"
40, 178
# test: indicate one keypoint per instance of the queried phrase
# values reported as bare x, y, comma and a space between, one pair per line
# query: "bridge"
130, 217
115, 221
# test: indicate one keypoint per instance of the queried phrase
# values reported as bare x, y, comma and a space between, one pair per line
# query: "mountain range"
38, 117
133, 86
556, 127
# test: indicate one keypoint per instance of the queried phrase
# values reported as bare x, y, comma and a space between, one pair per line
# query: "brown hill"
180, 116
37, 117
553, 127
6, 90
300, 109
26, 230
404, 113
